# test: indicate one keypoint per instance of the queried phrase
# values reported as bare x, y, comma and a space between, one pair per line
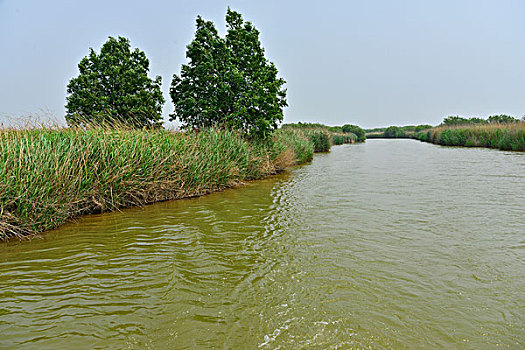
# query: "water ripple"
389, 244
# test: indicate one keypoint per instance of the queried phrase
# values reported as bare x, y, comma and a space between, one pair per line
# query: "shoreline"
51, 176
505, 137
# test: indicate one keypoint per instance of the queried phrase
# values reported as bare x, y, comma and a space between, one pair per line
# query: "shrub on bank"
338, 134
397, 132
355, 130
394, 132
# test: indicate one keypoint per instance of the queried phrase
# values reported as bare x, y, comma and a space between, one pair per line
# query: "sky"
372, 63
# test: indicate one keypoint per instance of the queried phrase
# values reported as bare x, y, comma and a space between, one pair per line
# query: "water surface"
391, 244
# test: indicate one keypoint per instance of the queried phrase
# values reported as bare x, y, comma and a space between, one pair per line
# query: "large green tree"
201, 93
113, 87
228, 82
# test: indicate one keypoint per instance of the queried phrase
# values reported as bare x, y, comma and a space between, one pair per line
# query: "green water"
389, 244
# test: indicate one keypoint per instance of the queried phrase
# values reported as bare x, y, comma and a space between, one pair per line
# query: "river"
390, 244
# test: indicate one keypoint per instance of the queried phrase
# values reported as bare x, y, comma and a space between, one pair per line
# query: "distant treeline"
497, 131
493, 119
347, 129
410, 130
396, 131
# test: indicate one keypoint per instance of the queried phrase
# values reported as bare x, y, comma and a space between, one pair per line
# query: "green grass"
51, 175
501, 136
323, 136
295, 141
48, 176
320, 138
342, 138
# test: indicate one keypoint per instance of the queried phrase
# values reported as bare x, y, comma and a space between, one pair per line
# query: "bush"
356, 130
394, 132
502, 119
422, 127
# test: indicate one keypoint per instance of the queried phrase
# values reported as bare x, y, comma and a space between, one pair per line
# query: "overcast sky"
372, 63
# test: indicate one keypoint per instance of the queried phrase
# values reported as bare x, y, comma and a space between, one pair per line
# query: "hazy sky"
372, 63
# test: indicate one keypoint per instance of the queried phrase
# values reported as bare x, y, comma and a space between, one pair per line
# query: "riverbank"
501, 136
49, 176
510, 136
398, 221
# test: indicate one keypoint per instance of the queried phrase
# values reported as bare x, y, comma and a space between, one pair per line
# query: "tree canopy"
457, 120
360, 133
228, 82
493, 119
502, 119
113, 87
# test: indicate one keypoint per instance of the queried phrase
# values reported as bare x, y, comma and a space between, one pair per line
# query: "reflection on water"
389, 244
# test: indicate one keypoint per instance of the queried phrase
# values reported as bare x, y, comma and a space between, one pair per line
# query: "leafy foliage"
202, 95
407, 131
394, 132
493, 119
323, 136
457, 120
113, 87
502, 119
228, 82
354, 129
422, 127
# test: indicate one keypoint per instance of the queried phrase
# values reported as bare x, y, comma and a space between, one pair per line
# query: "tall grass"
48, 176
294, 141
502, 136
323, 136
320, 138
342, 138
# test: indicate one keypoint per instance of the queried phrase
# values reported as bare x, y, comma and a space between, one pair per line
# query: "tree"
354, 129
113, 87
422, 127
502, 119
394, 132
457, 120
201, 95
258, 94
228, 82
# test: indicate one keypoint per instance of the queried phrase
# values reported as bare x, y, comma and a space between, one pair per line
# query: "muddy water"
389, 244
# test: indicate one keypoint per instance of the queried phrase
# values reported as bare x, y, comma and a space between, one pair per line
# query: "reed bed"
51, 175
342, 138
323, 136
509, 136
